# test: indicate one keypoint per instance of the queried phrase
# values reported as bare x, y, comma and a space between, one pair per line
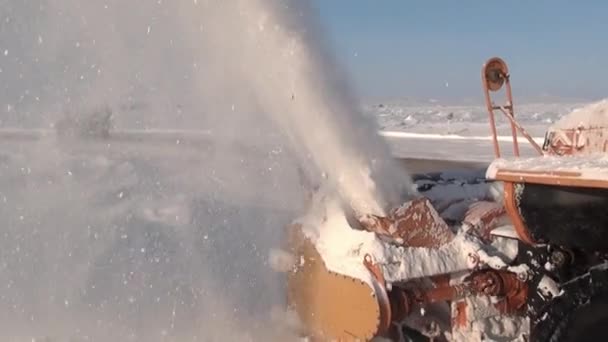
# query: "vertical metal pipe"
512, 113
490, 109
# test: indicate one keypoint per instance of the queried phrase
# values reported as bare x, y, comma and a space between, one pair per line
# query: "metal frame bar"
495, 74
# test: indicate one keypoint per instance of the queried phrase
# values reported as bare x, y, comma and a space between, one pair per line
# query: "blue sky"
399, 48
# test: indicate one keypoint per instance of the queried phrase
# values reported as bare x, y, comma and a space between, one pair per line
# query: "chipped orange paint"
511, 208
416, 223
483, 216
460, 319
570, 141
383, 301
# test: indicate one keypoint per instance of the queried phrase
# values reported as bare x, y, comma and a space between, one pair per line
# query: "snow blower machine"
522, 258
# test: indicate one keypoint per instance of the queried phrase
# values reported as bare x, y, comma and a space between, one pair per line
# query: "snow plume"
151, 241
276, 47
126, 241
140, 242
186, 64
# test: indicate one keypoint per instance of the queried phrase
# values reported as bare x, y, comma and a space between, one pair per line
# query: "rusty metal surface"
509, 114
494, 71
489, 84
483, 216
460, 317
487, 282
383, 298
510, 291
514, 294
511, 208
415, 224
581, 140
418, 224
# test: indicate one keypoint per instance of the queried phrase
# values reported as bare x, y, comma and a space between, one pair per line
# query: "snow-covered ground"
448, 132
431, 131
465, 120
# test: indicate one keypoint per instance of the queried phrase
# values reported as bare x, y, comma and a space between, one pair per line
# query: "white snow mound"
589, 116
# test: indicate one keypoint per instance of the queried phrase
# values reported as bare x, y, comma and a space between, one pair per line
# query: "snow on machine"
516, 254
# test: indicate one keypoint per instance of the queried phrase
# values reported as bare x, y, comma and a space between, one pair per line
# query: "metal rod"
522, 131
490, 107
512, 114
494, 75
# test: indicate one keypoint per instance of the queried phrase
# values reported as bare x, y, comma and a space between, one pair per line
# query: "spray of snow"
296, 81
134, 242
